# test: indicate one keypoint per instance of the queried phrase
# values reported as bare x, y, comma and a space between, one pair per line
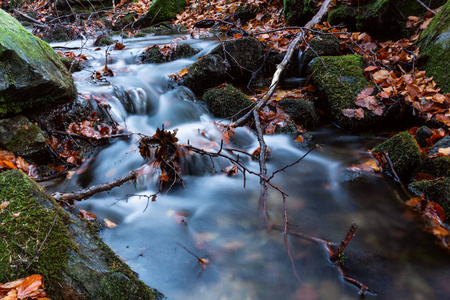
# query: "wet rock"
72, 65
123, 22
345, 15
386, 19
327, 45
436, 190
75, 263
354, 179
422, 134
154, 55
204, 73
103, 40
243, 56
31, 74
227, 102
338, 83
301, 112
442, 143
246, 12
299, 12
160, 11
23, 138
436, 166
434, 48
59, 33
404, 154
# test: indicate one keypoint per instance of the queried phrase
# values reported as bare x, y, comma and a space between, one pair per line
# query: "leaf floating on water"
87, 215
231, 170
109, 223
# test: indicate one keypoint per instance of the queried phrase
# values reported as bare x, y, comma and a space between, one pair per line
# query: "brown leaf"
231, 170
109, 223
30, 285
87, 215
380, 76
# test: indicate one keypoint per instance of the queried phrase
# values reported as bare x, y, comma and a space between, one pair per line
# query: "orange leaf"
109, 223
183, 72
29, 285
87, 215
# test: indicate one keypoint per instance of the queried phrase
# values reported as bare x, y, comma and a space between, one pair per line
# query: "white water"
389, 252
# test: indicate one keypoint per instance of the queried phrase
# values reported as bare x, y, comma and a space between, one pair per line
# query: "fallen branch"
86, 193
32, 20
280, 68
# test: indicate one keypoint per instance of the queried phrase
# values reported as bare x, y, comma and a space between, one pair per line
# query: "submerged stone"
227, 102
75, 263
404, 154
32, 75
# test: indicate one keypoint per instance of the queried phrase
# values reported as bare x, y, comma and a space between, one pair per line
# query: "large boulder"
160, 11
227, 102
31, 74
339, 80
40, 237
435, 48
299, 12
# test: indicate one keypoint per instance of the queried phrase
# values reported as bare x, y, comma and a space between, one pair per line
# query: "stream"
215, 217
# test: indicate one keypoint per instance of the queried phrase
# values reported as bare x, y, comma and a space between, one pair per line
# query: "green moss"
436, 167
301, 111
328, 45
227, 102
140, 34
343, 14
339, 82
436, 190
183, 51
152, 55
435, 48
404, 153
206, 72
103, 40
298, 12
164, 10
23, 234
23, 138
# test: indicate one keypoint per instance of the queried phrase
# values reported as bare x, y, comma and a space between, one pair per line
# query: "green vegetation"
163, 10
227, 102
301, 111
404, 153
436, 190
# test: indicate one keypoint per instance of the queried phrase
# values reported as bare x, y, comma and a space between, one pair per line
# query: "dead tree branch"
86, 193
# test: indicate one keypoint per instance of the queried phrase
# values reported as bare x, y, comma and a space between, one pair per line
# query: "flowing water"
216, 218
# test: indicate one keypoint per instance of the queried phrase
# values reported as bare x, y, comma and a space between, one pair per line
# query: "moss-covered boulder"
227, 102
301, 112
39, 237
124, 21
345, 15
160, 11
436, 167
326, 45
339, 80
436, 190
31, 74
154, 55
205, 73
404, 154
435, 48
243, 56
23, 138
386, 19
299, 12
103, 40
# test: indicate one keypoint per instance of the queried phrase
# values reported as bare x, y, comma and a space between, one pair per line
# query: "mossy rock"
343, 14
160, 11
124, 22
338, 83
183, 51
205, 73
58, 33
243, 56
140, 34
435, 48
246, 12
404, 154
301, 112
40, 238
299, 12
327, 45
386, 19
23, 138
227, 102
103, 40
436, 190
72, 65
151, 56
436, 167
442, 143
31, 74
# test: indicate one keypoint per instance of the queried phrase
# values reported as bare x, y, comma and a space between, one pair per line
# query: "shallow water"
216, 218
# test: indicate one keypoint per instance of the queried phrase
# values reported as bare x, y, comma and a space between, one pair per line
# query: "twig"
86, 193
426, 7
43, 242
76, 135
263, 171
36, 22
386, 156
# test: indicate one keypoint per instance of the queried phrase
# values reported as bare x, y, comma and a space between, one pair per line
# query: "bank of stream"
216, 218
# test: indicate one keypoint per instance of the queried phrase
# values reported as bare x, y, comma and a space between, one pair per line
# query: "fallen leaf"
87, 215
29, 286
4, 205
109, 223
231, 170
